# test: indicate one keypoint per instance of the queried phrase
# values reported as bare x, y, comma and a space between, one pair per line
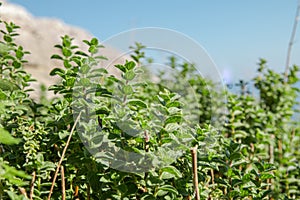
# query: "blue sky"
235, 33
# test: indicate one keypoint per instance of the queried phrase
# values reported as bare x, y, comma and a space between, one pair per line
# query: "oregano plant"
125, 136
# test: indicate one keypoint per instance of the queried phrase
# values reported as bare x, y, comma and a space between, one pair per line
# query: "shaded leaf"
6, 138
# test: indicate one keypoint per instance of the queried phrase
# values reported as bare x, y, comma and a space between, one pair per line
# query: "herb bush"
254, 155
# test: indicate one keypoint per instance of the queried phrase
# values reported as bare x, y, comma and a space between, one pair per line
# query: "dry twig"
63, 185
32, 186
195, 171
23, 192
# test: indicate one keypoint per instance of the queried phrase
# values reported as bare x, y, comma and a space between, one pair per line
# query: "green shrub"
255, 155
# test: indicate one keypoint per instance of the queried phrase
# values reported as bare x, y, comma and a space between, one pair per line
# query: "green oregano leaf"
137, 103
6, 138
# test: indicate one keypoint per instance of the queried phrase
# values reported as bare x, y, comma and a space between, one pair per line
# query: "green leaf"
81, 53
129, 75
67, 64
129, 65
70, 81
235, 156
3, 96
101, 57
161, 193
102, 110
265, 176
101, 91
86, 42
168, 188
174, 119
6, 138
148, 197
99, 70
137, 103
233, 194
93, 49
268, 167
55, 56
94, 41
85, 69
57, 71
172, 170
14, 172
176, 104
67, 41
63, 134
236, 182
127, 89
58, 46
16, 64
240, 134
4, 48
85, 82
230, 172
19, 53
48, 165
121, 67
166, 175
66, 52
6, 85
7, 38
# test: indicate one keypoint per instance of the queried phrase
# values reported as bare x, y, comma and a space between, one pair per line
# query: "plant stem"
76, 192
32, 185
63, 155
271, 154
88, 192
212, 177
195, 171
23, 192
146, 147
271, 149
63, 185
